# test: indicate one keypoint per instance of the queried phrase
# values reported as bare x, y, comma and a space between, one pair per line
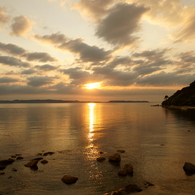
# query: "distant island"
127, 101
183, 97
66, 101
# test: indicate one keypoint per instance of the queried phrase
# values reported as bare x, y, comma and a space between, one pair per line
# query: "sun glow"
92, 85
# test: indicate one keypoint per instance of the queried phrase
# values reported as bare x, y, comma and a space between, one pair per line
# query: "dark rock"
115, 158
101, 159
13, 169
48, 153
9, 177
122, 173
19, 158
44, 161
132, 188
32, 163
129, 168
101, 152
121, 151
5, 163
69, 179
40, 158
2, 173
189, 168
13, 156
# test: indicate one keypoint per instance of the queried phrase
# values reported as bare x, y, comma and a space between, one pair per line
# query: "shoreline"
178, 107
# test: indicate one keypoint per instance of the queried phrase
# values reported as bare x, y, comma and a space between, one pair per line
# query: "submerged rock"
126, 190
48, 153
132, 188
128, 169
44, 161
121, 151
2, 173
68, 179
32, 163
101, 159
5, 163
115, 157
19, 158
189, 168
13, 169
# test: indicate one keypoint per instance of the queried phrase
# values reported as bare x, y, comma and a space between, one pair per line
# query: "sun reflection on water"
91, 112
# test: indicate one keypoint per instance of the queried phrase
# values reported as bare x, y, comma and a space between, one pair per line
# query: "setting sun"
92, 85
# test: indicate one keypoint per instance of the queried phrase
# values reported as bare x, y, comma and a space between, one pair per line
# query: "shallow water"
157, 142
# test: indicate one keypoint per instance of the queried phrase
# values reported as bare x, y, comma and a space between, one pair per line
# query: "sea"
157, 141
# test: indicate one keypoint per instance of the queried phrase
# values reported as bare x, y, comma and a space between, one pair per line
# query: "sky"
96, 49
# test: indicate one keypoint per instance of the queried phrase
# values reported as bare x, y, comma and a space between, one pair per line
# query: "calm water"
157, 142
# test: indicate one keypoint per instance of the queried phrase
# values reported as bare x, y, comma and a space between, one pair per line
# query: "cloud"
112, 77
79, 76
124, 61
12, 61
8, 80
93, 9
186, 32
39, 56
166, 79
4, 18
46, 67
29, 71
122, 22
151, 61
11, 49
39, 81
20, 26
55, 38
87, 53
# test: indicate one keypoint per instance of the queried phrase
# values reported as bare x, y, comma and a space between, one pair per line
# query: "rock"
5, 163
13, 156
101, 152
32, 163
19, 158
132, 188
121, 151
2, 173
44, 161
189, 168
128, 168
68, 179
101, 159
122, 173
115, 158
40, 158
9, 177
13, 169
48, 153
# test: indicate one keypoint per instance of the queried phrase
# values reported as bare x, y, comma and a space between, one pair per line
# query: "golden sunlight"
92, 85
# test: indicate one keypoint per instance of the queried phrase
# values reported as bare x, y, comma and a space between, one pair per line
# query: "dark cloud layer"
85, 52
39, 56
39, 81
11, 49
8, 80
12, 61
121, 23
